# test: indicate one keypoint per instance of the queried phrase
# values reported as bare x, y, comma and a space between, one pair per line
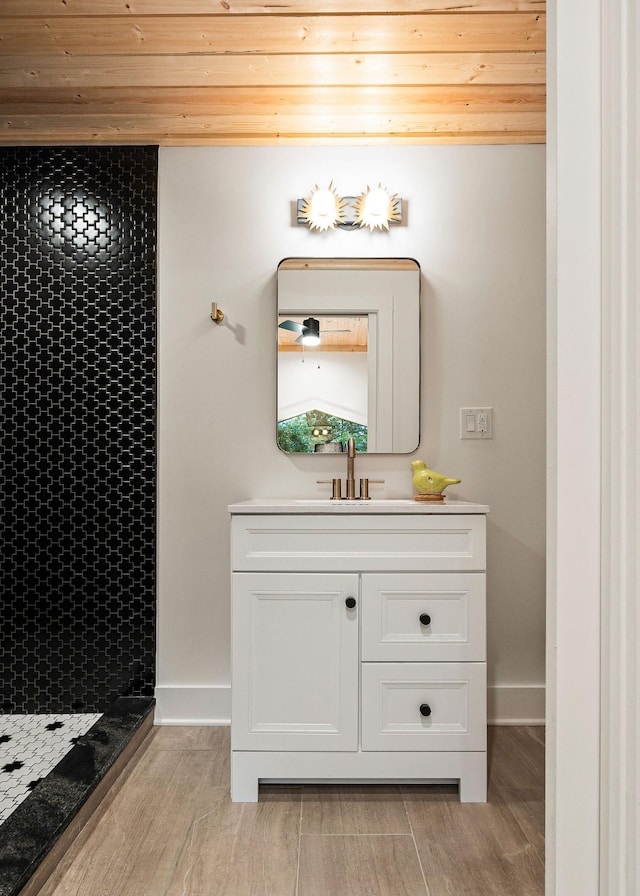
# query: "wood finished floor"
172, 830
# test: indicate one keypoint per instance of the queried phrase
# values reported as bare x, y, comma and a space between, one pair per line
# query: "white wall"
335, 382
476, 225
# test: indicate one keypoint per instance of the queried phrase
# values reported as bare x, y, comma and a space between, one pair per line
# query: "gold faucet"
351, 478
351, 459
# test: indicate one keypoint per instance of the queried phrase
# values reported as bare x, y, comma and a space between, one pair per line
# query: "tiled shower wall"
77, 426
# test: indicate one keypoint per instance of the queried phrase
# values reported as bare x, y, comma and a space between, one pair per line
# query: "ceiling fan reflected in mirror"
309, 330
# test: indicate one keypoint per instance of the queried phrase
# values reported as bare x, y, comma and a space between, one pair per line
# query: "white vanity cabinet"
358, 643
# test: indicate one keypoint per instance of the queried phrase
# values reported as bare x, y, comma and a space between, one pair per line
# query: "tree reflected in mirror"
309, 432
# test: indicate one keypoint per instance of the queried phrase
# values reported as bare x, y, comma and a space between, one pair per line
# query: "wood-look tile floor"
172, 830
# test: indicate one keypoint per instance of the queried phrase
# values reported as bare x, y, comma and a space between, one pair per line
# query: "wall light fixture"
375, 208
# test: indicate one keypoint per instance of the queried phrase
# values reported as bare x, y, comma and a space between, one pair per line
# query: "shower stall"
77, 479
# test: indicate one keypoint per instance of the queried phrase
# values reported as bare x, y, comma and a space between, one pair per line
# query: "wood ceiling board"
298, 100
282, 71
250, 7
206, 35
272, 125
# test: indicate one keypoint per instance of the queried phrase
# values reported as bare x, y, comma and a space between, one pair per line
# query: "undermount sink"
369, 502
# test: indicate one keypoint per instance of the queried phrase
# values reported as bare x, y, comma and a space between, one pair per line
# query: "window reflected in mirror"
317, 431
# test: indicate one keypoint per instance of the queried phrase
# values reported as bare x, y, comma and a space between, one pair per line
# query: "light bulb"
323, 209
377, 208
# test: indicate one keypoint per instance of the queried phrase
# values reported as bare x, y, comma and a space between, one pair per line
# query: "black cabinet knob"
350, 602
425, 619
425, 710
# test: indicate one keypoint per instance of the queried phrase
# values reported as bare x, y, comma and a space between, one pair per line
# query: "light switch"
476, 423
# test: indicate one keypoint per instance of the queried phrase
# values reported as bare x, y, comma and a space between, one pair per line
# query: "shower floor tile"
30, 747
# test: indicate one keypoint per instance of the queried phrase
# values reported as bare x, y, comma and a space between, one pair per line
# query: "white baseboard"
195, 705
211, 705
516, 705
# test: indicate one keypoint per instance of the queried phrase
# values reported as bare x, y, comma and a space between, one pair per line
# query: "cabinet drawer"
452, 696
340, 543
417, 617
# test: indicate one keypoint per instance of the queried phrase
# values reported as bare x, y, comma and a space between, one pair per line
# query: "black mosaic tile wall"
77, 426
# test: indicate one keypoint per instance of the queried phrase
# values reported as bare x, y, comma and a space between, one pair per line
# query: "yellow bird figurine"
427, 482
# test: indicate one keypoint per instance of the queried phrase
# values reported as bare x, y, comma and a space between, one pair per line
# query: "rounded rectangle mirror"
348, 342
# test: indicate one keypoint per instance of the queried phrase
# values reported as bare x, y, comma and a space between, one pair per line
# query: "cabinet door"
295, 662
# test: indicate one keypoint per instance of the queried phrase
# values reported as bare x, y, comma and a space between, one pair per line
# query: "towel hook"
216, 315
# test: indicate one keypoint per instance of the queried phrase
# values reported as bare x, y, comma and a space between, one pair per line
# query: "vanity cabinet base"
248, 769
358, 646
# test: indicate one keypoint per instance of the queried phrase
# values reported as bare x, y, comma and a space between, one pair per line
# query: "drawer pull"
425, 619
425, 710
350, 602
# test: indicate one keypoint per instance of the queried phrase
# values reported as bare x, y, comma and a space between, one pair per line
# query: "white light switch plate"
476, 423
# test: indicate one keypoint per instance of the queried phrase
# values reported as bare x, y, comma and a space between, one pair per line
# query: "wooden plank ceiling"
224, 72
338, 334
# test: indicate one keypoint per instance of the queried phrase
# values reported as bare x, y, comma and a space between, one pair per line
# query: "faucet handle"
364, 488
336, 491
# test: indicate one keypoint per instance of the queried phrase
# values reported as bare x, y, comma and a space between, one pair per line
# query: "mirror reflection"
320, 360
348, 355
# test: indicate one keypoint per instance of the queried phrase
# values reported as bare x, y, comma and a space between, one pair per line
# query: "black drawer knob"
350, 602
425, 710
425, 619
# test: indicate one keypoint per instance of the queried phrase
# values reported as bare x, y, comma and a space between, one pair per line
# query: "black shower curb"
35, 835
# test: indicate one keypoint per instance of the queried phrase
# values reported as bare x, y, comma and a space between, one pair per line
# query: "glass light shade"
323, 209
376, 208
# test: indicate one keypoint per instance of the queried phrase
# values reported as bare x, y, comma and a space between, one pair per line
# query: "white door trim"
573, 618
593, 814
620, 706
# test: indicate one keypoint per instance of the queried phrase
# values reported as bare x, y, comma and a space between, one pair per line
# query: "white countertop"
380, 505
